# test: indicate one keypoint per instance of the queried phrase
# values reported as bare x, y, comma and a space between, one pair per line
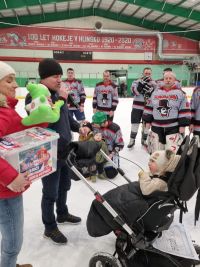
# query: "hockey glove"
147, 91
146, 79
140, 87
142, 83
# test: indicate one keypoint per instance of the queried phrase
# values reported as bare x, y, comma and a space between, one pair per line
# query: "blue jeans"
80, 116
55, 187
11, 227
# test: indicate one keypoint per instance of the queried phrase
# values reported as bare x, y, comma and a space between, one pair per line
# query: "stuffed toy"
39, 109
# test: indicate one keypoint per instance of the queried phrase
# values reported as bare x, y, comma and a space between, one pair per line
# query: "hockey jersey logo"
104, 99
164, 108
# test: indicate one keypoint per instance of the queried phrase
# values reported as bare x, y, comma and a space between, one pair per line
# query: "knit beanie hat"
166, 160
5, 70
48, 67
87, 124
99, 117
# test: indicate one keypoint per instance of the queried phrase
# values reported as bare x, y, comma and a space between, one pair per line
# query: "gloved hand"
143, 83
140, 86
146, 79
147, 91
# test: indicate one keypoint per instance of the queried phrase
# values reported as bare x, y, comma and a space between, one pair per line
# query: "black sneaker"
56, 236
68, 219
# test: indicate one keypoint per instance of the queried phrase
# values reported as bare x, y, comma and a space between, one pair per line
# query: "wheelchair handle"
115, 166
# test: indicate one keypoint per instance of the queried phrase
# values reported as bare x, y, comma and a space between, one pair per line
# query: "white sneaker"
131, 143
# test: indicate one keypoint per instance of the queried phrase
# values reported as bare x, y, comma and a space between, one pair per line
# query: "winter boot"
102, 176
131, 143
68, 219
144, 139
24, 265
93, 178
56, 236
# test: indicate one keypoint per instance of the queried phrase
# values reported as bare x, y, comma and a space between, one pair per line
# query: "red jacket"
10, 122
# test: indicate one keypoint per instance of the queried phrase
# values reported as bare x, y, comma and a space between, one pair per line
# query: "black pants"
164, 131
136, 115
55, 187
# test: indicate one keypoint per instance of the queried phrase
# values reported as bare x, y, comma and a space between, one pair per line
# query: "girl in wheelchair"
160, 163
130, 200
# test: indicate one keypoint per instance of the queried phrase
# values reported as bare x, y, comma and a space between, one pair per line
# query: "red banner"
88, 40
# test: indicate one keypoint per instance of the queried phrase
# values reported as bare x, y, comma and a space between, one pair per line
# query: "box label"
8, 143
39, 133
37, 161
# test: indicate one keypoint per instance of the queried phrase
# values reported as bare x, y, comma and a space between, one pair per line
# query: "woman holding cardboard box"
12, 183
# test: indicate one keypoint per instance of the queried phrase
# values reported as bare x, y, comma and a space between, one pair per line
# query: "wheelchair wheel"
103, 259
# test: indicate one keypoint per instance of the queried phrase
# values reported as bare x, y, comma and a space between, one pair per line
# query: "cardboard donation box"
33, 151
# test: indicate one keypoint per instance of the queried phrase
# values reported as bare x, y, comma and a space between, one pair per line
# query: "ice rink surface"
80, 247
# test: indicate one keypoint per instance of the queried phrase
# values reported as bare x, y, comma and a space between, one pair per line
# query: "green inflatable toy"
39, 109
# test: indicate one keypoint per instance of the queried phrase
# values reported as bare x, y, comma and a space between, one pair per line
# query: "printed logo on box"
37, 161
8, 143
38, 133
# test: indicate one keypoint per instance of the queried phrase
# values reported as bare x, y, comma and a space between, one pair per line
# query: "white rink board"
21, 92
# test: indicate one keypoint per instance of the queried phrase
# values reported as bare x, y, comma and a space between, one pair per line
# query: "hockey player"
160, 82
76, 97
105, 98
142, 90
168, 112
